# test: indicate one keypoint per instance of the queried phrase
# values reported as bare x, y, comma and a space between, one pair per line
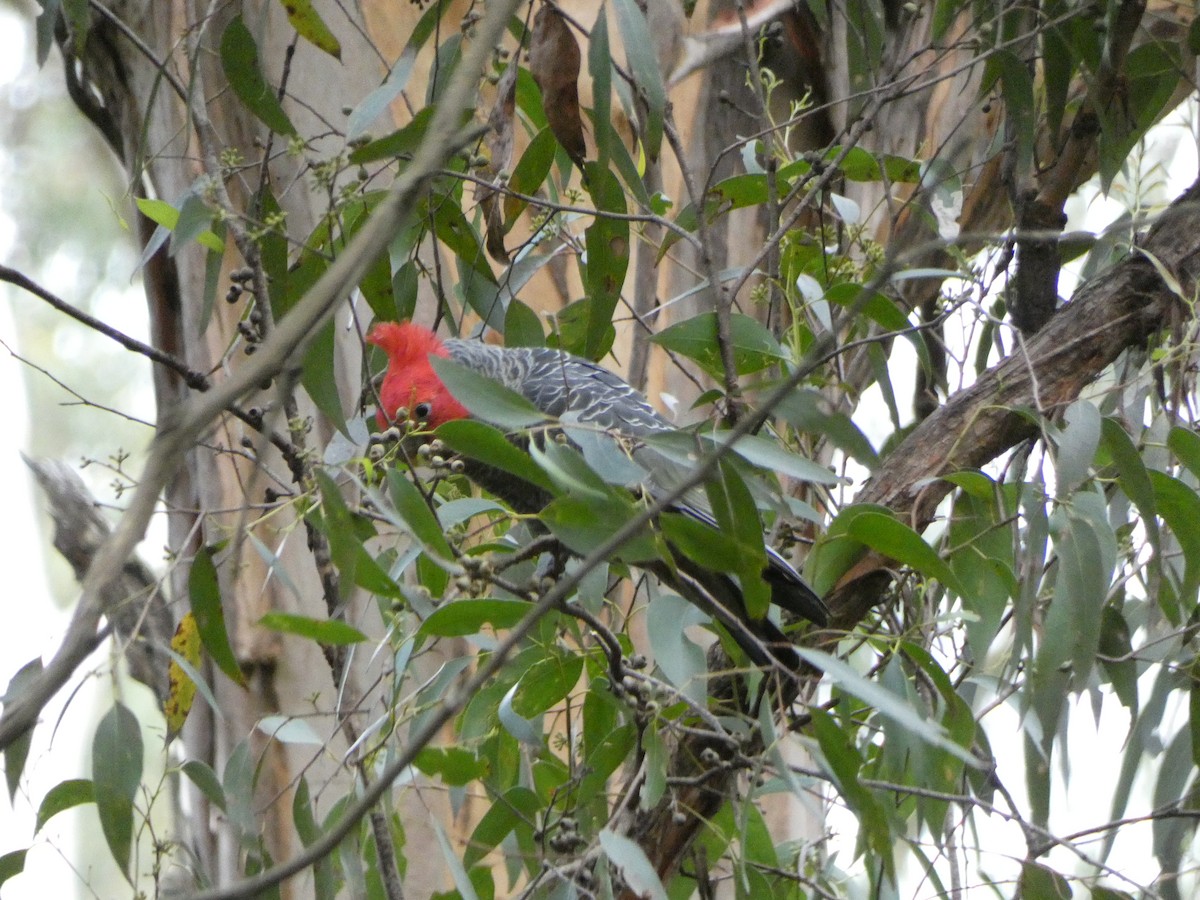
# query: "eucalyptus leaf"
885, 702
485, 397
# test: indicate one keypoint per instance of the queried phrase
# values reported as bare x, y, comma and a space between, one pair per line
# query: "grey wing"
560, 384
602, 412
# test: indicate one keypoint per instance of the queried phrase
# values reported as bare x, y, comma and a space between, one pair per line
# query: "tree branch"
196, 380
1109, 315
281, 350
1118, 311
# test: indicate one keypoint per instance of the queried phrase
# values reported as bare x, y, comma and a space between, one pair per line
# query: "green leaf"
194, 220
547, 683
47, 22
204, 592
165, 215
628, 856
807, 410
647, 77
1179, 507
607, 245
1058, 66
309, 831
1016, 86
333, 632
486, 398
861, 165
737, 518
754, 347
1152, 71
273, 245
600, 67
515, 809
456, 231
239, 59
528, 176
376, 103
307, 828
889, 705
1087, 551
213, 263
522, 326
456, 766
354, 563
79, 17
570, 471
1185, 444
735, 192
464, 617
399, 143
238, 786
944, 14
445, 58
957, 717
1037, 882
983, 557
481, 441
701, 542
206, 780
318, 376
310, 26
894, 539
1117, 660
573, 332
879, 307
414, 510
12, 863
1076, 445
116, 774
18, 751
837, 549
583, 523
681, 660
63, 796
774, 457
1131, 470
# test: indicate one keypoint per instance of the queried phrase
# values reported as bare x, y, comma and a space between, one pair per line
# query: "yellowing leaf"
181, 689
310, 26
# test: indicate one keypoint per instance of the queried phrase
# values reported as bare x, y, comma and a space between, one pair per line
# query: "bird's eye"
422, 411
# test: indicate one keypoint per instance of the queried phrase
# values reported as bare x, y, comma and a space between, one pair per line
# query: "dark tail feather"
719, 596
791, 592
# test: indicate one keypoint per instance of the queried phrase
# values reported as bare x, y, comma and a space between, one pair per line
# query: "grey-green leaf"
116, 774
486, 399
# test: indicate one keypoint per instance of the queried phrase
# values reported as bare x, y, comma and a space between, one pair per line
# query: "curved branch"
1118, 311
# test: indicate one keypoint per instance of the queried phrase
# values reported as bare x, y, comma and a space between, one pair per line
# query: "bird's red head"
410, 381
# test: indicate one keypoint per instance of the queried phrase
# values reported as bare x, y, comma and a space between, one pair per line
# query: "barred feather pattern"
559, 383
567, 387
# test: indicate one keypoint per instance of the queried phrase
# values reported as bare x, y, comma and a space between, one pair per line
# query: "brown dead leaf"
500, 153
554, 61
